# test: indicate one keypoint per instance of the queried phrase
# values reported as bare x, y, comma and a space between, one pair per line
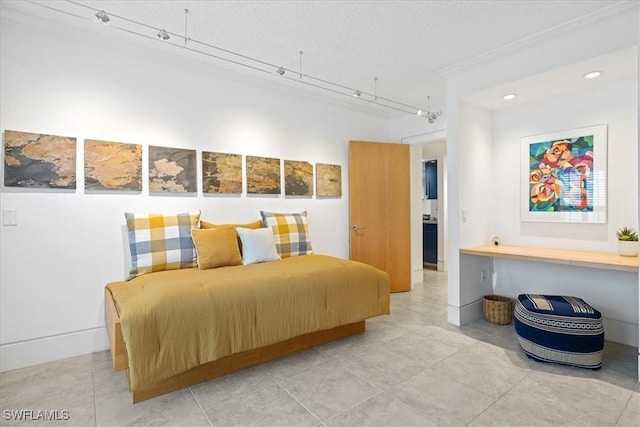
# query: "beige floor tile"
175, 409
620, 358
383, 365
232, 386
631, 413
425, 351
328, 390
448, 334
490, 370
549, 399
106, 380
267, 406
381, 410
443, 400
290, 366
348, 346
65, 385
385, 330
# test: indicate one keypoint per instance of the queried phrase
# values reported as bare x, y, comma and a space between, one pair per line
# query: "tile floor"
409, 368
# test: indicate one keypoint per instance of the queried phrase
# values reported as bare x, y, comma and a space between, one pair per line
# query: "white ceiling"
407, 45
614, 66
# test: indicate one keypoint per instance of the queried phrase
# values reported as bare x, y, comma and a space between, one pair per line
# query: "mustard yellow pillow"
216, 247
252, 225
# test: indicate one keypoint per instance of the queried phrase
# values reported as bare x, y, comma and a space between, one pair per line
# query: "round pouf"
559, 329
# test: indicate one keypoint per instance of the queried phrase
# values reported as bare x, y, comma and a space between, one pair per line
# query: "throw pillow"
252, 225
161, 242
259, 245
216, 247
290, 231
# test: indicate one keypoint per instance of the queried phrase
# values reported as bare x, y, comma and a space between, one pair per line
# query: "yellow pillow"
252, 225
216, 247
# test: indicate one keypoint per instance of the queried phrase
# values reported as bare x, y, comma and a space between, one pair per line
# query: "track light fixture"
433, 115
102, 17
429, 115
141, 29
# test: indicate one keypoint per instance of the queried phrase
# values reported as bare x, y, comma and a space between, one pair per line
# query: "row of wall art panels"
46, 161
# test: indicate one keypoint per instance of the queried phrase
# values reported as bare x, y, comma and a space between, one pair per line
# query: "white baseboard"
417, 277
466, 314
47, 349
443, 266
453, 315
471, 312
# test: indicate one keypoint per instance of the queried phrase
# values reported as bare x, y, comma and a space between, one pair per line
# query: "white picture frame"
564, 176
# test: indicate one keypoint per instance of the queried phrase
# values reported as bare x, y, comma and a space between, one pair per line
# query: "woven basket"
497, 309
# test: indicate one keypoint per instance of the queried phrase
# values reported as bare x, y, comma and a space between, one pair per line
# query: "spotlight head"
357, 94
280, 71
419, 113
432, 116
163, 35
102, 17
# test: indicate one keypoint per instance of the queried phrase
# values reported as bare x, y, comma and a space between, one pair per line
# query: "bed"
175, 328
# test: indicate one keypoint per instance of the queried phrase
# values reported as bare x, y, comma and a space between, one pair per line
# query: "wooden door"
379, 209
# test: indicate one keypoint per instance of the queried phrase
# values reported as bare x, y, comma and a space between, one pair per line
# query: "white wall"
67, 246
475, 222
614, 33
614, 104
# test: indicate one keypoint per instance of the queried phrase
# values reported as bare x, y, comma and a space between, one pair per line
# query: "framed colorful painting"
564, 176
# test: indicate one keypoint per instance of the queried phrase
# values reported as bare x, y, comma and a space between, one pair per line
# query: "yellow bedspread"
175, 320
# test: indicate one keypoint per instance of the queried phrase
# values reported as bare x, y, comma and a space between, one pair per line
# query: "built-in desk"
602, 260
606, 280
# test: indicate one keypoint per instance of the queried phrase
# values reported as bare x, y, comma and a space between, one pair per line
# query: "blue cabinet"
431, 179
430, 243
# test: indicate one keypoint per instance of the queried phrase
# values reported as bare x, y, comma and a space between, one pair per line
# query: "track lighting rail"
164, 36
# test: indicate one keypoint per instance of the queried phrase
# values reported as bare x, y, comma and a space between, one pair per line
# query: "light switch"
464, 215
9, 217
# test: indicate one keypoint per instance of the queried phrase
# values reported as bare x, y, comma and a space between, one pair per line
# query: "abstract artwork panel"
298, 178
263, 175
328, 180
33, 160
112, 166
172, 170
221, 173
565, 174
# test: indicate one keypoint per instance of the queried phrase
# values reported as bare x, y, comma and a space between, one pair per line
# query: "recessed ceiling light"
592, 74
509, 96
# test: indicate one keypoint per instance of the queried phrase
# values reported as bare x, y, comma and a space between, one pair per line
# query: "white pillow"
257, 245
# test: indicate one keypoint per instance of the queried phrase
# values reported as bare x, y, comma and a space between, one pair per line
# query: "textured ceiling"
402, 43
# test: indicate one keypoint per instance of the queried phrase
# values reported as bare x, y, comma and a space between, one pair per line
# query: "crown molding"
565, 29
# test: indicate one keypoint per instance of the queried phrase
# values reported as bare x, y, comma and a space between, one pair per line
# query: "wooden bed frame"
220, 367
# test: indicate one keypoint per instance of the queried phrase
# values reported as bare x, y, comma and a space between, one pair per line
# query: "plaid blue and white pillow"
161, 242
290, 231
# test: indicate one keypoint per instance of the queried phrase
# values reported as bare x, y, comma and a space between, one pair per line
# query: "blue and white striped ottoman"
560, 329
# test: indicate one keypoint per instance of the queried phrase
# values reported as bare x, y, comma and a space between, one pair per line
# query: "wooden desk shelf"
602, 260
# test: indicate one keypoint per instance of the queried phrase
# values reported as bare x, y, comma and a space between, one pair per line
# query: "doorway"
433, 203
